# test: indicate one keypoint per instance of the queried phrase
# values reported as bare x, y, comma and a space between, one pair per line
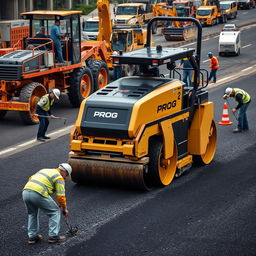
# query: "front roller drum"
87, 171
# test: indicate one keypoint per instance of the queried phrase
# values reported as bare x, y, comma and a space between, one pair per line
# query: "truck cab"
90, 29
230, 8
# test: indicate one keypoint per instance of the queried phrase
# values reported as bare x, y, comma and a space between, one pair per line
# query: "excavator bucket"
179, 34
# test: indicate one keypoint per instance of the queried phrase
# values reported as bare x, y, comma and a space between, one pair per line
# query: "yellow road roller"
144, 130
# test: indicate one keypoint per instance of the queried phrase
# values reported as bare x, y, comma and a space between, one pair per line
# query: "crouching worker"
37, 196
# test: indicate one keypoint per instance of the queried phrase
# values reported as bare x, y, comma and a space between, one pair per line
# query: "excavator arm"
105, 24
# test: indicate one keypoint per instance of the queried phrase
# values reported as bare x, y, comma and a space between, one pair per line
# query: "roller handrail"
186, 19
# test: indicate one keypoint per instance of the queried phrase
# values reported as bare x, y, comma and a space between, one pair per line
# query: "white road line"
247, 69
216, 36
25, 143
245, 12
245, 46
205, 61
225, 78
206, 39
7, 151
188, 44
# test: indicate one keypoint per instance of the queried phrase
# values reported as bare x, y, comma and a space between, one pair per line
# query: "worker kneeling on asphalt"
243, 98
43, 111
37, 196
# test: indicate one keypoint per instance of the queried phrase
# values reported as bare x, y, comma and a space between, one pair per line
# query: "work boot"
237, 130
35, 239
46, 137
56, 239
41, 139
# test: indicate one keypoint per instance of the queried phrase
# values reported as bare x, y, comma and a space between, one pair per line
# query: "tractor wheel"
31, 93
81, 85
2, 114
100, 74
161, 171
207, 157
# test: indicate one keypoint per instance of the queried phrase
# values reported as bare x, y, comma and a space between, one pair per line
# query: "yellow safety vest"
45, 103
46, 182
245, 96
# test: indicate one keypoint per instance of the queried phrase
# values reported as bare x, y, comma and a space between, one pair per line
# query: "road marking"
206, 39
246, 46
247, 69
245, 12
205, 61
225, 78
216, 36
188, 44
31, 143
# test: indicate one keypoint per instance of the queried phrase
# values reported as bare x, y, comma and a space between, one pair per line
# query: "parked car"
230, 27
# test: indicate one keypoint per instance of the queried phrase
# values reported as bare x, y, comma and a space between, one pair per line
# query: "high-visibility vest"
216, 65
46, 182
245, 96
45, 103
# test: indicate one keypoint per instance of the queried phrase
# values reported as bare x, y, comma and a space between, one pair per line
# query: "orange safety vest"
214, 63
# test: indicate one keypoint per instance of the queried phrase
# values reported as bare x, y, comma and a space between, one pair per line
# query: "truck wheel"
31, 93
2, 114
131, 70
161, 171
81, 85
207, 157
100, 74
238, 52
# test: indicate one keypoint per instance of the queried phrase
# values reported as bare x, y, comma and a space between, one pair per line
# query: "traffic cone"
225, 117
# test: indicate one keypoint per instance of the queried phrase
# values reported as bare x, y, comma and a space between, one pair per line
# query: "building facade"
10, 10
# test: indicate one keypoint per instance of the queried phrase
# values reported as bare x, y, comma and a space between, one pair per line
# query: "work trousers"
187, 77
43, 123
118, 72
58, 51
242, 118
213, 75
34, 201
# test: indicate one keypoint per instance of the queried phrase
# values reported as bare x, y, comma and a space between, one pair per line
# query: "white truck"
90, 29
229, 43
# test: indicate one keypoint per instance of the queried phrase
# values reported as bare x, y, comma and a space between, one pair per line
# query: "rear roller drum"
160, 171
2, 114
207, 157
31, 93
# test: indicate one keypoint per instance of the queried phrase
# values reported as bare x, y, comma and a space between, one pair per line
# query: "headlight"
131, 21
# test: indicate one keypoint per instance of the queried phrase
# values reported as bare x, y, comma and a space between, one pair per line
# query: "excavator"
142, 131
177, 31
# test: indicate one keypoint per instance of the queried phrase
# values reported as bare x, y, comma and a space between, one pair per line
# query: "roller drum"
89, 171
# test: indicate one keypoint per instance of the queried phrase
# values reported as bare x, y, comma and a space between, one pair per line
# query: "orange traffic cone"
225, 117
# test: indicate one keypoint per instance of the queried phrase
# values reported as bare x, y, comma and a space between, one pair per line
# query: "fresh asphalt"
208, 211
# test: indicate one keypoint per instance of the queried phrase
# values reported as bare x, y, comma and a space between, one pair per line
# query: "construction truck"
90, 29
210, 13
28, 73
142, 131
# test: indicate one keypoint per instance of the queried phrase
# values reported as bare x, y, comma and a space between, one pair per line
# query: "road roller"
143, 131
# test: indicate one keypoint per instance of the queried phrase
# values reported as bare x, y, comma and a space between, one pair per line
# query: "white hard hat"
228, 91
56, 93
66, 167
115, 53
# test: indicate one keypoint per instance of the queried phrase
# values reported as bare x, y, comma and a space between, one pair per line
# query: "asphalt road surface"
207, 211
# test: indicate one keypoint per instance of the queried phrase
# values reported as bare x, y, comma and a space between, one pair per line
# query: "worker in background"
41, 34
214, 66
187, 71
55, 36
43, 111
37, 196
243, 98
118, 69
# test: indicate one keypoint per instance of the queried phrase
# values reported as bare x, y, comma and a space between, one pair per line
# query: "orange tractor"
30, 69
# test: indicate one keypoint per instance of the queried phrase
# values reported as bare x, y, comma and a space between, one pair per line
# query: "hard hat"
228, 91
56, 93
115, 53
210, 54
66, 167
